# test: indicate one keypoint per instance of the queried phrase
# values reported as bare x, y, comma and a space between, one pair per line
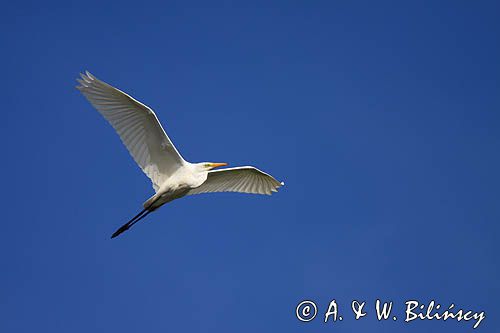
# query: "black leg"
130, 223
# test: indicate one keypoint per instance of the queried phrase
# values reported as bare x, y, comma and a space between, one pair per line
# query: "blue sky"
381, 117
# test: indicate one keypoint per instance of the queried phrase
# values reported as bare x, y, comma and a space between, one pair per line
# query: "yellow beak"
215, 165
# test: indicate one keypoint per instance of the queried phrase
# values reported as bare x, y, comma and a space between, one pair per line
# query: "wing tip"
275, 188
85, 79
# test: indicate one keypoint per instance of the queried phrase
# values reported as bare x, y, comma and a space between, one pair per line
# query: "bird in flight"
146, 140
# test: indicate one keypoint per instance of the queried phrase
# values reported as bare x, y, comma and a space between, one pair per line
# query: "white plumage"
172, 176
245, 179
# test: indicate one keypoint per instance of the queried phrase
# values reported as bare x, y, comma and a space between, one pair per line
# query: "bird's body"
171, 175
177, 185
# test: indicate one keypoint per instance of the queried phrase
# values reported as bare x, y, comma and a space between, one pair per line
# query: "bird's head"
206, 166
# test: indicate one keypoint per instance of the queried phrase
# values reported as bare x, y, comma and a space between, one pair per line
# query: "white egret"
171, 175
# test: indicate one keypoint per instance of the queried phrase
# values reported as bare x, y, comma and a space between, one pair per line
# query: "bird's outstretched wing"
246, 179
137, 126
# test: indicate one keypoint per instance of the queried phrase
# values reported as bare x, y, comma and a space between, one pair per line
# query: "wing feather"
138, 128
245, 179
